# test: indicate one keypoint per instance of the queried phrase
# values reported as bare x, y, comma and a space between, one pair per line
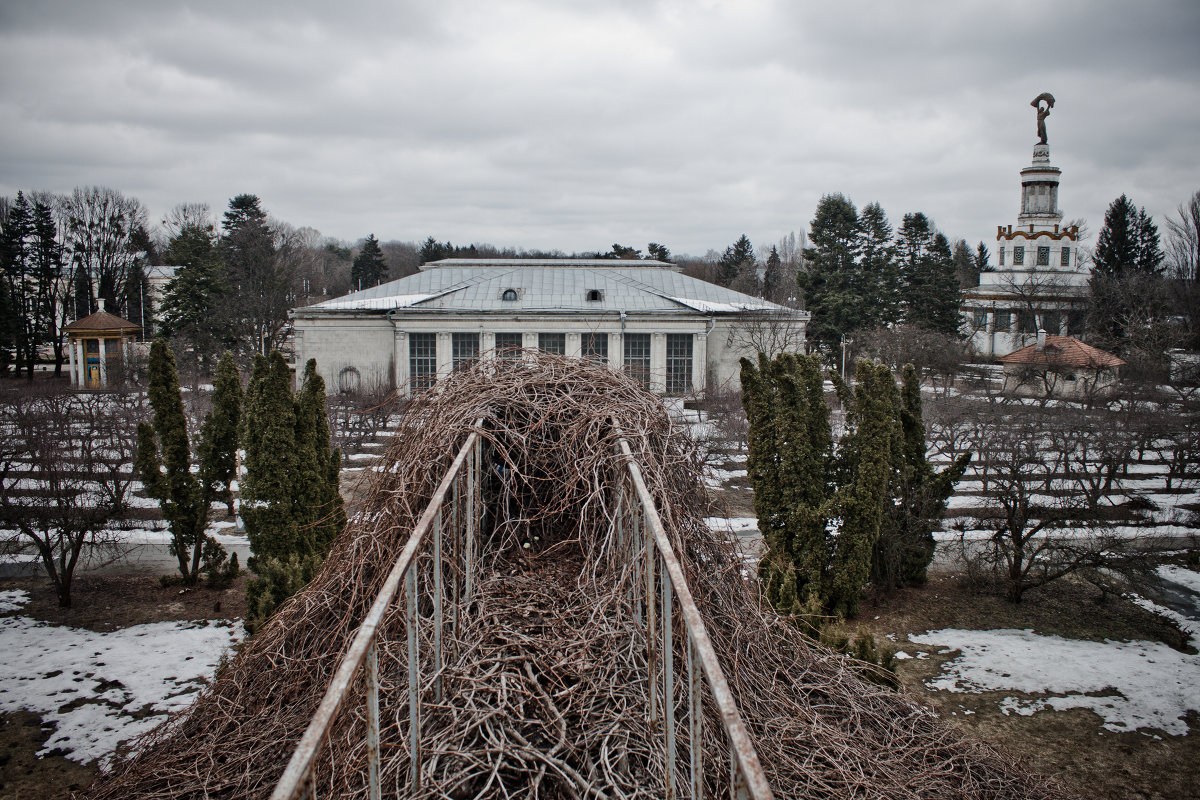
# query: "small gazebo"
99, 345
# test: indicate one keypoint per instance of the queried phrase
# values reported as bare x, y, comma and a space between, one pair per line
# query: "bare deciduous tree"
1052, 476
49, 488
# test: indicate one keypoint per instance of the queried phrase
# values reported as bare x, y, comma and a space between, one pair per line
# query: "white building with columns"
677, 335
1039, 281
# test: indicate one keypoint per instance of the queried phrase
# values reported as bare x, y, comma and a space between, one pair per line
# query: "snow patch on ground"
1133, 685
734, 524
91, 684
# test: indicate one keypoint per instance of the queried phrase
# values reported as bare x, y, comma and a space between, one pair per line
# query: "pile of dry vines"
545, 689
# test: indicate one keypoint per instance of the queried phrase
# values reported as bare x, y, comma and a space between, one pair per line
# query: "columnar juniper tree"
833, 516
219, 436
919, 495
290, 500
164, 464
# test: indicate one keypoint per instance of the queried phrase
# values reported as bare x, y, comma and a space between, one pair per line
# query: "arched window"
349, 380
509, 296
595, 295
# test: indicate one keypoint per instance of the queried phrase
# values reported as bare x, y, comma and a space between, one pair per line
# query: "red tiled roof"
102, 321
1063, 351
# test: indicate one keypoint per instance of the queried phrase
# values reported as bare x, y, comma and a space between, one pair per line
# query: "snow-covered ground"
1137, 685
102, 689
1130, 685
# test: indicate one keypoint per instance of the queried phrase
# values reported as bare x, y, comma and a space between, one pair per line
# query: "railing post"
668, 651
651, 627
438, 610
373, 722
695, 722
472, 490
414, 698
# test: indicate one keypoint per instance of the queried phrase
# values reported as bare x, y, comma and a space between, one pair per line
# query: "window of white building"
422, 360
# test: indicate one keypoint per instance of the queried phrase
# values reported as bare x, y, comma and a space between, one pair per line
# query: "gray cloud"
574, 125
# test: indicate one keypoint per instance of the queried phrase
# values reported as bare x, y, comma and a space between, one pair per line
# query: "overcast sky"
574, 125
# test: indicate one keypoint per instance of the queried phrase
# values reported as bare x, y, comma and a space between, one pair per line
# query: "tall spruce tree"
164, 464
1126, 275
832, 289
880, 274
736, 261
197, 288
930, 288
369, 267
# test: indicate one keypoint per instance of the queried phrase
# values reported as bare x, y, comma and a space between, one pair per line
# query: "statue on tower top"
1042, 113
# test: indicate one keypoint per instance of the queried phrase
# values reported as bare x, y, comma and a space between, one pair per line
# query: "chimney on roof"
100, 303
1041, 340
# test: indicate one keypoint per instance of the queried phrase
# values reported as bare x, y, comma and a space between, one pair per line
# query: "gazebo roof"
1063, 351
101, 322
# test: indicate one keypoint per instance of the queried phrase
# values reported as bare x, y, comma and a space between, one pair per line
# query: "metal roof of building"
549, 285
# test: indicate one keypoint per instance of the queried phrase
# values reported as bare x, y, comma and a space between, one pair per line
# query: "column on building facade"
574, 345
81, 361
103, 362
616, 351
658, 363
71, 362
487, 344
400, 359
699, 362
529, 343
445, 360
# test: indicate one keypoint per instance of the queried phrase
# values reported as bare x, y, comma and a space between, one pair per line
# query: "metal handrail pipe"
731, 718
291, 782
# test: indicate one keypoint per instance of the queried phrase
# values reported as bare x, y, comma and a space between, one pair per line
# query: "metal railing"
462, 485
659, 589
641, 535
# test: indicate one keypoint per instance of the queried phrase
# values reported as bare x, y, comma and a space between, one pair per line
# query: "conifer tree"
319, 465
369, 267
290, 500
906, 544
219, 435
826, 512
164, 465
832, 285
269, 487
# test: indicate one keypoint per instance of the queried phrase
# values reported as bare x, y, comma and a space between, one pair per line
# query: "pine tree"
737, 261
255, 309
880, 281
930, 287
369, 268
164, 464
983, 259
964, 265
774, 287
219, 435
658, 252
197, 288
832, 289
1126, 276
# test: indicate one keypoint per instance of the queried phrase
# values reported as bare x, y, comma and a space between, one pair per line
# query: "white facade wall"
357, 348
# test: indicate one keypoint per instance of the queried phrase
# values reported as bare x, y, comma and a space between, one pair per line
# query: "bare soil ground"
100, 603
1071, 746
